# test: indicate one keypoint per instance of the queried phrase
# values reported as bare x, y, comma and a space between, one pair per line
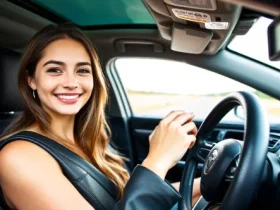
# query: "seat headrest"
10, 98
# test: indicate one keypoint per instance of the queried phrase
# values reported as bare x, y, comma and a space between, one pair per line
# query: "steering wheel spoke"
200, 204
202, 150
229, 174
205, 205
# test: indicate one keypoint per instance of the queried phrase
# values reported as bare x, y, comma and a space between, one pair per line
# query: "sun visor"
189, 40
198, 26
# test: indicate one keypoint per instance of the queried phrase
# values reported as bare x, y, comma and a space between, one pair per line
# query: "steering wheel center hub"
211, 160
217, 168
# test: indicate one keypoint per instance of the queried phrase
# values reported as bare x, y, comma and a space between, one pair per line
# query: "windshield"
98, 12
254, 44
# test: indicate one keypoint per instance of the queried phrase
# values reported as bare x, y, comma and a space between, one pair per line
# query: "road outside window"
155, 87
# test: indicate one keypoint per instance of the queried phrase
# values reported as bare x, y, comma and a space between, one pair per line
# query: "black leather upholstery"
145, 190
97, 189
11, 100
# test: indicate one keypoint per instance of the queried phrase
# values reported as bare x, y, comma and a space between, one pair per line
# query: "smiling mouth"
68, 98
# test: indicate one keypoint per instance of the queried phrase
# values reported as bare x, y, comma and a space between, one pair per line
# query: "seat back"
11, 103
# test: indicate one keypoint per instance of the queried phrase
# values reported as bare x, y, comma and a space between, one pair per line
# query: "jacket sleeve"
146, 190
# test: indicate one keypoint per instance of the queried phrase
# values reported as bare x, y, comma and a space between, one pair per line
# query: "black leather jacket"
144, 190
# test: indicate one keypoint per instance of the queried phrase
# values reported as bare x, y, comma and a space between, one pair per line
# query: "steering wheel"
232, 169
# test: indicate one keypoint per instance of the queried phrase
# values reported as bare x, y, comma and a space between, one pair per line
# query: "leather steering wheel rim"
253, 155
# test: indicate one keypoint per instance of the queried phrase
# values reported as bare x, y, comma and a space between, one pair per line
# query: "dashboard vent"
273, 143
213, 137
234, 135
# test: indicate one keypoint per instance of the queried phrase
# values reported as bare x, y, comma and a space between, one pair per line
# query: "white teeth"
68, 97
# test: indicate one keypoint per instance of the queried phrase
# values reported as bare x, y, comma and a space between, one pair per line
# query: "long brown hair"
91, 131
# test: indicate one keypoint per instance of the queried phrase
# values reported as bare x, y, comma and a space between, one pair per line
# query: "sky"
154, 75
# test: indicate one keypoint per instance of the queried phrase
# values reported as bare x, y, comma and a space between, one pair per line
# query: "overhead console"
198, 26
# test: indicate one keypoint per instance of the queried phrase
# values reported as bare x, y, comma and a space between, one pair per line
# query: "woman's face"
63, 78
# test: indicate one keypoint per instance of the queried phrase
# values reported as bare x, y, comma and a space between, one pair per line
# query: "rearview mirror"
273, 34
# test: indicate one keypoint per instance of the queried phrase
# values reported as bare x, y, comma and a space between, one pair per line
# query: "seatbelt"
94, 186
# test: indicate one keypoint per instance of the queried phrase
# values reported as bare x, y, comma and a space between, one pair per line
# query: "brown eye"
83, 71
54, 70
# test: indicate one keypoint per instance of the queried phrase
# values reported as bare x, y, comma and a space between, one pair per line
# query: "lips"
68, 98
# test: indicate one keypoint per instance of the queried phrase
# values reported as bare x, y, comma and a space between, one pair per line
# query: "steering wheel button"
202, 153
232, 170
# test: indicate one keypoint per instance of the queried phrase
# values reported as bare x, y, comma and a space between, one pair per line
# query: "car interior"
160, 46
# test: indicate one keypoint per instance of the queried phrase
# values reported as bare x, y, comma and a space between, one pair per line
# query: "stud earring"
34, 94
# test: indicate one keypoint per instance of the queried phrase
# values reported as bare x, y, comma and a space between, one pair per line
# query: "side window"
155, 87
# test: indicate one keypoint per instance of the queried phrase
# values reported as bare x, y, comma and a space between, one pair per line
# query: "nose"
70, 82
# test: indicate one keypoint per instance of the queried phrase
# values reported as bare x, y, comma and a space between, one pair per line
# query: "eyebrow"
63, 64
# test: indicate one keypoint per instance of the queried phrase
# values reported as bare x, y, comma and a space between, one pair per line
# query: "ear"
31, 82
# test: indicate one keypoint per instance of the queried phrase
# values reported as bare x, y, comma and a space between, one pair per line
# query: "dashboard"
220, 134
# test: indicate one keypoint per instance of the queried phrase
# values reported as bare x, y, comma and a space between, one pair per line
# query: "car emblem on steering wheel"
210, 161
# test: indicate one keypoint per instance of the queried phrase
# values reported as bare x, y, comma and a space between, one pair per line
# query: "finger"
183, 118
171, 116
189, 128
191, 144
194, 131
192, 140
192, 117
152, 134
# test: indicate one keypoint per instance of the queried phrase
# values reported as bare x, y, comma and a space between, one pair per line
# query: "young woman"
64, 91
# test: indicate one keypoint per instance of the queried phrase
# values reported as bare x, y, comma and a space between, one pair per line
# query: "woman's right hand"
169, 141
